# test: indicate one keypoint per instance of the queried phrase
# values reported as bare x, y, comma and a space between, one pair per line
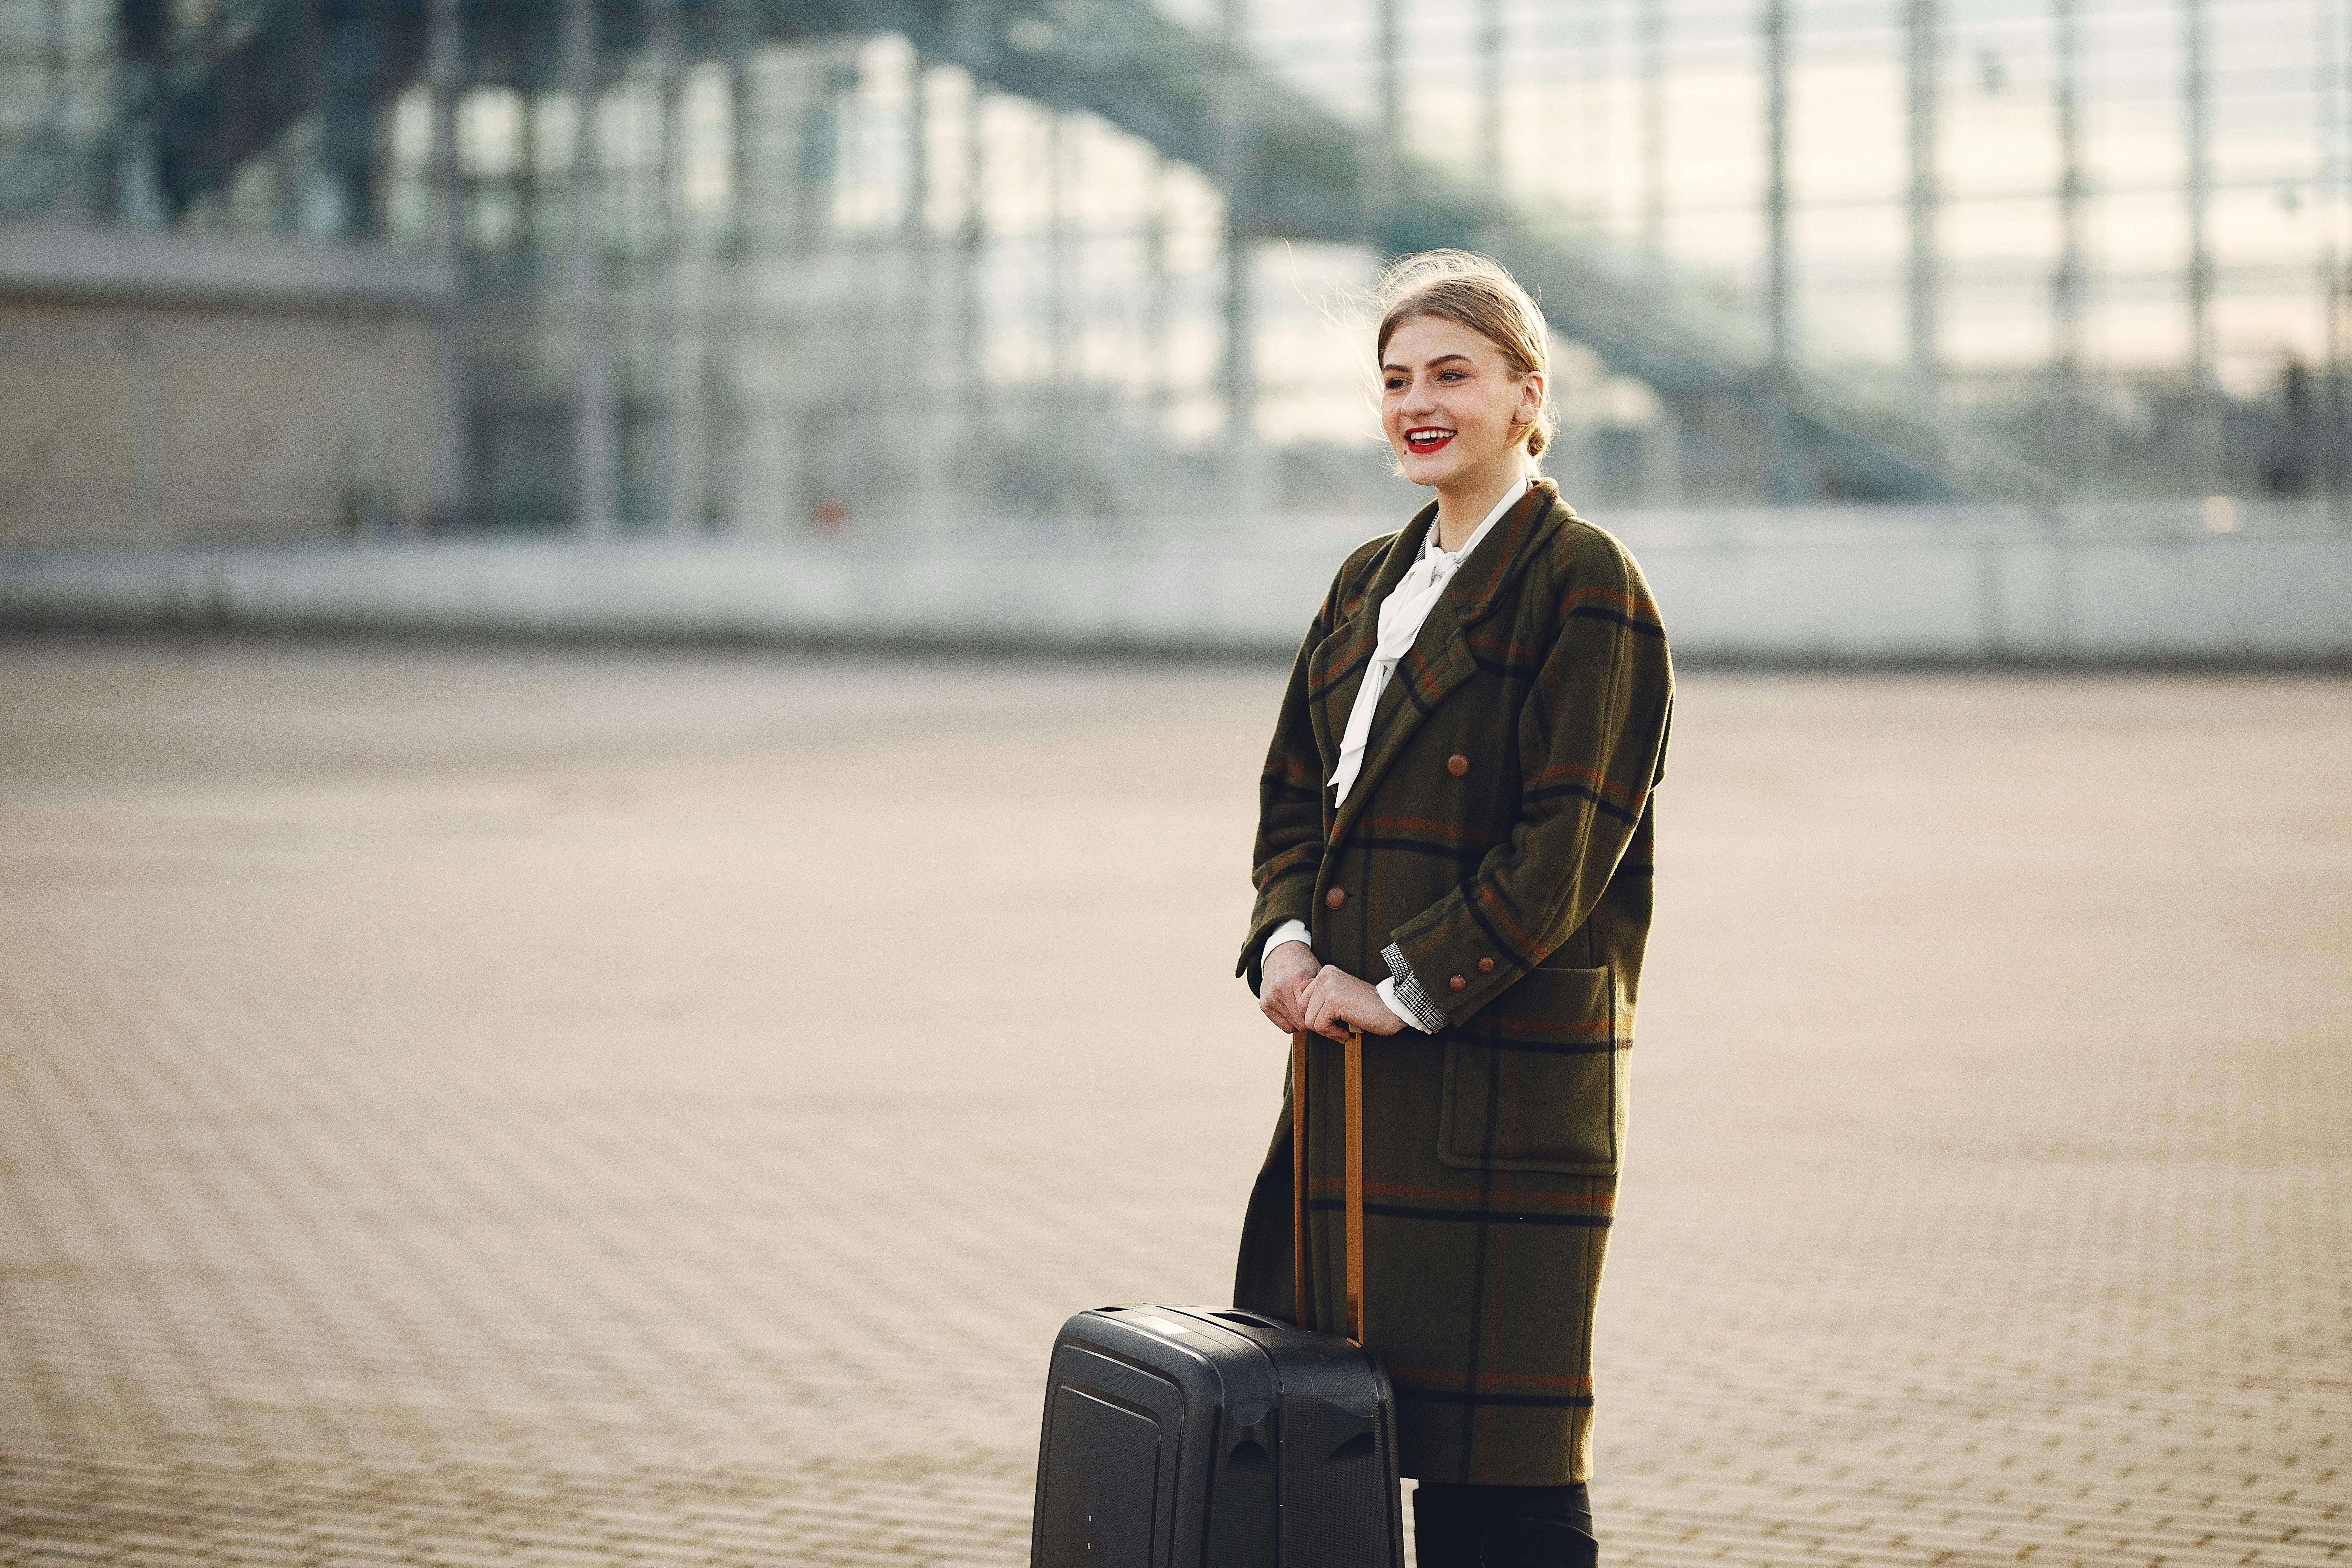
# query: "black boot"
1540, 1544
1446, 1522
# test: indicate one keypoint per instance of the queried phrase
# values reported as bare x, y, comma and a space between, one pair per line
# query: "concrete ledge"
1010, 593
1990, 589
1851, 588
50, 261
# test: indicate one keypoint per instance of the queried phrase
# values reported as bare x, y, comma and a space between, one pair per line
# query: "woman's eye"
1396, 385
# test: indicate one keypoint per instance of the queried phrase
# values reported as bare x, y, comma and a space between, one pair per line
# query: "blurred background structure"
763, 267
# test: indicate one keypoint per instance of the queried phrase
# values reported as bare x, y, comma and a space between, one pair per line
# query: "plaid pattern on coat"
1496, 848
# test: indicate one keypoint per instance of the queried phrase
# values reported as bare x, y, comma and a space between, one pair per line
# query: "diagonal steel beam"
1163, 82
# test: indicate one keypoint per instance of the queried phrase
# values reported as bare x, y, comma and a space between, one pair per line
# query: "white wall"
1954, 585
175, 386
1863, 586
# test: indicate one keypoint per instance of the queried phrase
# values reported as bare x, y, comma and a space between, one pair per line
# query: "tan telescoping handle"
1354, 1123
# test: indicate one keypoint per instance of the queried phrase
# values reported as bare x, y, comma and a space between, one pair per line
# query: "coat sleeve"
1290, 826
1591, 739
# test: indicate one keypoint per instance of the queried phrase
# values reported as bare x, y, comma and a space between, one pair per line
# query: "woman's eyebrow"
1441, 359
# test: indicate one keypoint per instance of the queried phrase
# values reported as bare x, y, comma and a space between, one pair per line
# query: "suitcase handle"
1353, 1122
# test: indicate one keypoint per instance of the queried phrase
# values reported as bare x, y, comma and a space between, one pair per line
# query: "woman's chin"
1430, 469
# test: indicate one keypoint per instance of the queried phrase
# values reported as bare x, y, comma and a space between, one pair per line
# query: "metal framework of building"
774, 264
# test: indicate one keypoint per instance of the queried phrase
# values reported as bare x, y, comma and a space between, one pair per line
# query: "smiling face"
1451, 403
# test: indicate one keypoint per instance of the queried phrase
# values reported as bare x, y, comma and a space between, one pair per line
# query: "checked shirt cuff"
1404, 995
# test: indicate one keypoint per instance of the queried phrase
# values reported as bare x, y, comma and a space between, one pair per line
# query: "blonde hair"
1474, 291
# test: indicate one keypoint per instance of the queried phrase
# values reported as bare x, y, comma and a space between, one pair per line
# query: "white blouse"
1403, 614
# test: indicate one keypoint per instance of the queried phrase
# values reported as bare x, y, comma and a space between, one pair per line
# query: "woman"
1454, 856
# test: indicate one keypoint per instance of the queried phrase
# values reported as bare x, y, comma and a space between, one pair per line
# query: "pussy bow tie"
1401, 614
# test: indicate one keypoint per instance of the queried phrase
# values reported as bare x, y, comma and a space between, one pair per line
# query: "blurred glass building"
785, 265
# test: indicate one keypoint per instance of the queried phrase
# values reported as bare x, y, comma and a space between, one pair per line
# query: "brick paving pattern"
498, 1108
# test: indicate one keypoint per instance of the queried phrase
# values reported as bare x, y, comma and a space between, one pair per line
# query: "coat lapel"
1440, 662
1334, 669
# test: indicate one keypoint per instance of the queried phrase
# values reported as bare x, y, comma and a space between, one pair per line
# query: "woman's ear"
1529, 410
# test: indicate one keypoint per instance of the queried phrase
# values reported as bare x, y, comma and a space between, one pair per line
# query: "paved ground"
498, 1110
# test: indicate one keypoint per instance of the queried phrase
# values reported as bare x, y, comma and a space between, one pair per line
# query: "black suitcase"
1205, 1437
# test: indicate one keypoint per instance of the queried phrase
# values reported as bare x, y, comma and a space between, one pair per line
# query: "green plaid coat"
1494, 858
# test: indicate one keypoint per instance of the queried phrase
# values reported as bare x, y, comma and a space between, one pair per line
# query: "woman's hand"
1336, 999
1281, 989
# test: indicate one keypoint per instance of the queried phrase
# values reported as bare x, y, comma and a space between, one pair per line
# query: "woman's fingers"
1331, 1002
1284, 1001
1326, 996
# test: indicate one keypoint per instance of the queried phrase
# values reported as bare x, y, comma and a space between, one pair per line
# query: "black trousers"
1503, 1527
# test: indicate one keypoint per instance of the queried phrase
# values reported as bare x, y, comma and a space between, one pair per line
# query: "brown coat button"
1458, 983
1335, 898
1458, 765
1486, 966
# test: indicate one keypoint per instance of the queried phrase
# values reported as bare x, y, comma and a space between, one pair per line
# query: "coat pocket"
1537, 1082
